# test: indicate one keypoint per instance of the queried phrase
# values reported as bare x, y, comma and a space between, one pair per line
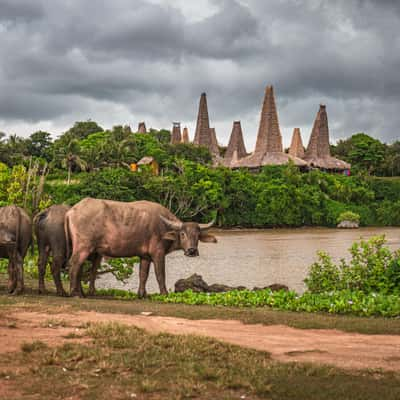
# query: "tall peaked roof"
236, 142
269, 138
269, 148
318, 146
176, 136
185, 135
202, 135
142, 127
214, 142
318, 152
296, 147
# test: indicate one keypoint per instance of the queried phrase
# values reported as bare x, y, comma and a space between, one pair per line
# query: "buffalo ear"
207, 238
170, 235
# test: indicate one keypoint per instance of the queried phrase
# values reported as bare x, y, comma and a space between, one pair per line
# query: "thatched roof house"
149, 162
176, 136
318, 152
214, 142
185, 135
269, 149
204, 135
236, 148
296, 147
142, 127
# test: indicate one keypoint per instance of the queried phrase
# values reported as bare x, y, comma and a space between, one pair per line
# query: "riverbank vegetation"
89, 161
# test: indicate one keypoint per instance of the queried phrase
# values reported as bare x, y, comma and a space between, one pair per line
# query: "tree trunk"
69, 174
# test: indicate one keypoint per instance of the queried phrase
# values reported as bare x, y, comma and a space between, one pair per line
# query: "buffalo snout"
192, 252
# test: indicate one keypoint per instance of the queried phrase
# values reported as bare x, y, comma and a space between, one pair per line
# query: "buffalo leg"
75, 272
159, 267
12, 278
43, 257
56, 272
93, 273
143, 275
19, 269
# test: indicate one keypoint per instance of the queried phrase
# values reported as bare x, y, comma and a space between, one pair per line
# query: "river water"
257, 257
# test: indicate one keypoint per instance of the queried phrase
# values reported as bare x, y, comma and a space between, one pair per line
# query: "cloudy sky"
122, 61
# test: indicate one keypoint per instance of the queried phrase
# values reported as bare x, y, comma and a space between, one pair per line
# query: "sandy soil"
346, 350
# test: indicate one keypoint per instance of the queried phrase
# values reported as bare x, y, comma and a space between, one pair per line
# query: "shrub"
371, 268
349, 216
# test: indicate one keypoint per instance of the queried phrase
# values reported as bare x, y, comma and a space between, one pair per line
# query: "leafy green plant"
349, 216
373, 267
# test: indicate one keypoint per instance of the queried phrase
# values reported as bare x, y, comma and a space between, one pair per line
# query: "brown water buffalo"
142, 228
15, 239
50, 235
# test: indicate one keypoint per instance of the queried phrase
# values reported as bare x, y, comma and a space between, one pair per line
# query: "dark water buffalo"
141, 228
15, 239
50, 235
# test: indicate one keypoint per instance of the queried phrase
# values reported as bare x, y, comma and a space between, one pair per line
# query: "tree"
362, 151
39, 144
70, 158
82, 129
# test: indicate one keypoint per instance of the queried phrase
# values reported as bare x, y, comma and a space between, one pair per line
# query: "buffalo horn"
207, 226
175, 225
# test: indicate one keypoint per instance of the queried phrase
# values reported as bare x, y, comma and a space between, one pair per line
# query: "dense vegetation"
90, 161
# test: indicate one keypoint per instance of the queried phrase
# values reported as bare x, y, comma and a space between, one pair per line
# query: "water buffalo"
50, 235
15, 239
142, 228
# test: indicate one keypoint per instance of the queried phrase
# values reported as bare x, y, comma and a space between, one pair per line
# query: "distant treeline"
96, 163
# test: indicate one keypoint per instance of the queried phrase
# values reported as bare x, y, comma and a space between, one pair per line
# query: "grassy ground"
262, 315
125, 363
119, 362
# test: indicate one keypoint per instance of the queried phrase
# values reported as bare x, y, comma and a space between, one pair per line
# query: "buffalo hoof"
142, 295
76, 293
42, 291
164, 292
17, 292
62, 293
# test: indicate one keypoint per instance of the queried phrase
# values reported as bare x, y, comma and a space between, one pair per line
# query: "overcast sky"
123, 61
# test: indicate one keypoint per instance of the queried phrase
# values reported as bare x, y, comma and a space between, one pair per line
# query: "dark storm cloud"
64, 60
11, 10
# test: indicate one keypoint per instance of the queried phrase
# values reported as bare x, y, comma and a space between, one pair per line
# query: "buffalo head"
187, 235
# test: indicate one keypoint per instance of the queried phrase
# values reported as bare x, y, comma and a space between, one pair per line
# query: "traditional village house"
185, 135
269, 149
204, 136
236, 148
150, 163
296, 147
176, 136
142, 127
318, 154
214, 142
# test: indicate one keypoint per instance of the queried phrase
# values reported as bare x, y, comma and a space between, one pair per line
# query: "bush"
372, 268
349, 216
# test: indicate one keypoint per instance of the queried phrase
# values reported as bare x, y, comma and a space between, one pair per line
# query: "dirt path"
346, 350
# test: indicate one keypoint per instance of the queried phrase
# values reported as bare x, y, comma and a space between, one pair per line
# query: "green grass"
123, 362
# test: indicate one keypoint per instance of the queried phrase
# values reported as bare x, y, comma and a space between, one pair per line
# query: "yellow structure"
148, 162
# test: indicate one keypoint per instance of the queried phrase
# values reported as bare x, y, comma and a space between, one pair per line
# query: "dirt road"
346, 350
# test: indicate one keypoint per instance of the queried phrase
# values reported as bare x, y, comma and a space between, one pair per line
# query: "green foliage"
371, 268
121, 268
349, 216
334, 302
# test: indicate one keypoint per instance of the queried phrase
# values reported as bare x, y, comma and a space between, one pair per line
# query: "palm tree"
71, 158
